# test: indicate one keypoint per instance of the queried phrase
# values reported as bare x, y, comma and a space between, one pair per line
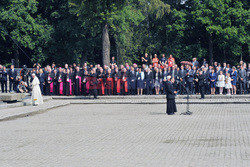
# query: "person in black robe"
132, 81
77, 81
55, 84
171, 106
49, 82
59, 80
85, 86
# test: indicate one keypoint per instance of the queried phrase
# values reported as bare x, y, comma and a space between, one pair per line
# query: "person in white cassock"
36, 97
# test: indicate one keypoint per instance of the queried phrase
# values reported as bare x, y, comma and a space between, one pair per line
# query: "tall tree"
25, 26
97, 15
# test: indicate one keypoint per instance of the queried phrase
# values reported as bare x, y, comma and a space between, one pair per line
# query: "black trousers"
171, 106
207, 89
197, 90
202, 91
182, 88
242, 86
12, 85
42, 88
47, 90
190, 87
93, 92
149, 87
4, 86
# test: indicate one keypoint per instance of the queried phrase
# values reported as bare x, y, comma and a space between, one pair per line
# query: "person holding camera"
22, 87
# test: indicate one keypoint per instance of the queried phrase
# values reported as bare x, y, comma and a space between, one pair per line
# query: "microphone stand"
188, 112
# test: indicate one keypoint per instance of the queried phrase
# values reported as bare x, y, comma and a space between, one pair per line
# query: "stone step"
160, 101
24, 111
154, 97
12, 97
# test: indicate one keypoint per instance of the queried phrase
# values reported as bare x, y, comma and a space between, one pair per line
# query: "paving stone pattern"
129, 136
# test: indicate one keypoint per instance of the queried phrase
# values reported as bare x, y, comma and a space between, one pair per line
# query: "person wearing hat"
170, 95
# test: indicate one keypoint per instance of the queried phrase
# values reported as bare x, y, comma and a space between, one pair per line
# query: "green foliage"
26, 26
67, 31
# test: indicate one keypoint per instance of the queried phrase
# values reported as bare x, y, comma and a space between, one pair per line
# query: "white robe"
36, 97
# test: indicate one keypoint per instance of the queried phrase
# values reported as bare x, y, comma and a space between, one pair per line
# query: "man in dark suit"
164, 79
201, 83
182, 74
206, 80
4, 80
12, 78
41, 78
132, 81
242, 79
149, 81
171, 106
1, 75
190, 79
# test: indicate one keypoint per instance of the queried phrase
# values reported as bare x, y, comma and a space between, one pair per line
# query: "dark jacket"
41, 78
4, 76
12, 74
190, 77
170, 90
182, 74
201, 79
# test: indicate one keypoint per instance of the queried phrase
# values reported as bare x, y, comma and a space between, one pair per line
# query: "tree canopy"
67, 31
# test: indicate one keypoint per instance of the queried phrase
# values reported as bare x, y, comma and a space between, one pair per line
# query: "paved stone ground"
129, 136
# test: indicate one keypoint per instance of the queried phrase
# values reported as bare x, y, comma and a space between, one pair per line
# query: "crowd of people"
149, 78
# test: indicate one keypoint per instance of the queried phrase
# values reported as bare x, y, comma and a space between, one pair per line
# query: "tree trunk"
105, 46
211, 59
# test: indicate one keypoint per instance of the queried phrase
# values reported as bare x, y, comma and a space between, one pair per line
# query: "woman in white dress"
36, 97
221, 82
228, 84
